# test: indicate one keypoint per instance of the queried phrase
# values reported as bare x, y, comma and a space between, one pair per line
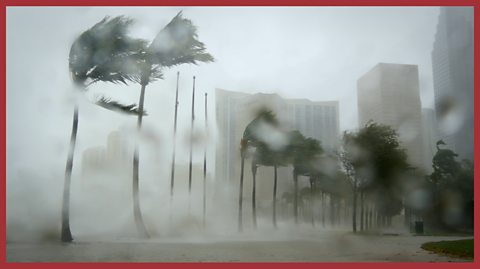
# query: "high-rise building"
234, 110
429, 137
452, 62
389, 94
315, 119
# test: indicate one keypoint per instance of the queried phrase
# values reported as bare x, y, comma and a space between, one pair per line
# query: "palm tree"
303, 152
266, 156
243, 152
254, 192
251, 138
98, 54
175, 44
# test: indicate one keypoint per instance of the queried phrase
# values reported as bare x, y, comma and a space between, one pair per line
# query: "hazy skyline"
316, 53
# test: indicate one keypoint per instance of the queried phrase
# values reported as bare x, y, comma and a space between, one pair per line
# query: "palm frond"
105, 52
116, 106
119, 69
155, 73
177, 44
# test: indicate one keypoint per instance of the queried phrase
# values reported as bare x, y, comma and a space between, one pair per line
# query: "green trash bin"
418, 227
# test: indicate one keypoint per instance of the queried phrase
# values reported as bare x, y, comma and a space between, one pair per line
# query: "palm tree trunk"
254, 205
295, 197
354, 214
362, 211
312, 200
338, 210
137, 213
323, 209
275, 196
66, 235
367, 217
240, 196
332, 210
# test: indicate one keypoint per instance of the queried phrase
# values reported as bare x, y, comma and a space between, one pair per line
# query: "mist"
274, 58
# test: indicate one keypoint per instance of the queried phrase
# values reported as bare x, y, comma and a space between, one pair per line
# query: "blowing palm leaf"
105, 52
110, 104
177, 44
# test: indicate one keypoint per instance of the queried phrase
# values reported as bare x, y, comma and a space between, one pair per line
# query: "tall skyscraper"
389, 94
235, 110
452, 62
429, 137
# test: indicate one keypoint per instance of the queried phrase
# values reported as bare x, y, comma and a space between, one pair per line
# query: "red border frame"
473, 3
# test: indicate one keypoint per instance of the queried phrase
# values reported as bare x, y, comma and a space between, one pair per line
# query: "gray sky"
314, 53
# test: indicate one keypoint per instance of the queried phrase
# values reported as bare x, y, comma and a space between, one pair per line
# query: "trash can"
418, 227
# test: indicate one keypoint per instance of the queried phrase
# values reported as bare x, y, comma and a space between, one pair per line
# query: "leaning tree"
100, 54
253, 136
375, 160
174, 45
302, 153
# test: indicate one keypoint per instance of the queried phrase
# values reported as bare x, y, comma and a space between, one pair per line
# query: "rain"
239, 134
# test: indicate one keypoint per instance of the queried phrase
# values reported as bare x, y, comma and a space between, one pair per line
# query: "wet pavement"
249, 247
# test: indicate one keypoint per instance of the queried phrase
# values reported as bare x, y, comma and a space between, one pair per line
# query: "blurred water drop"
451, 115
408, 130
420, 199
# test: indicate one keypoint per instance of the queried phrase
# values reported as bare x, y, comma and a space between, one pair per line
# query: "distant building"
235, 110
452, 62
429, 137
112, 158
389, 94
315, 119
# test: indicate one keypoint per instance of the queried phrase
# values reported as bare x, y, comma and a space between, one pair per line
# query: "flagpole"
191, 145
205, 164
174, 140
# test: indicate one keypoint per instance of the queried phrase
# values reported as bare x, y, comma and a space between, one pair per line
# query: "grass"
458, 248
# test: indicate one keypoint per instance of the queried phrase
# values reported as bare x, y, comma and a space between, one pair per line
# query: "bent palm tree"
256, 133
99, 54
175, 44
251, 137
303, 152
265, 156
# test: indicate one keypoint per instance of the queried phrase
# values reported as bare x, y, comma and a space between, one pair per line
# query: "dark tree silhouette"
266, 156
450, 178
252, 138
303, 153
375, 161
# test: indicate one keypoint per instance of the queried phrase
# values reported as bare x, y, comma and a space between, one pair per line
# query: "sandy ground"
333, 246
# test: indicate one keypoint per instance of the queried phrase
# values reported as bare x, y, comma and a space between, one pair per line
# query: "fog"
315, 53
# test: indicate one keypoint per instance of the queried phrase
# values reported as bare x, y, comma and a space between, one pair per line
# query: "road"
280, 246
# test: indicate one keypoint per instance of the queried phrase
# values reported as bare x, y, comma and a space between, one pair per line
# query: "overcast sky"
316, 53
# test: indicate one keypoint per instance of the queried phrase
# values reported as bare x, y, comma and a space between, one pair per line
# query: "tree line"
368, 175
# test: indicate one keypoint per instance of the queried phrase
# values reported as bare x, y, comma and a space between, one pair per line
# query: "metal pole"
174, 139
191, 141
205, 165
